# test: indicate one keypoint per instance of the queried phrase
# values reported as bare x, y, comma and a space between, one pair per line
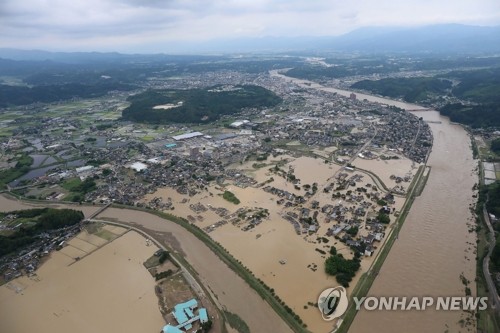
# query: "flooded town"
321, 170
229, 192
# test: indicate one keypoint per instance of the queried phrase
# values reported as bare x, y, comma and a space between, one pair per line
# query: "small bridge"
98, 212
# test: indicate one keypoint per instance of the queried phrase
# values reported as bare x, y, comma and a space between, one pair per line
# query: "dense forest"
479, 89
487, 115
43, 219
482, 89
480, 86
414, 89
196, 105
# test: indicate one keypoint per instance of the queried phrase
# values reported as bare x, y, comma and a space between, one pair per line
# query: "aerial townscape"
222, 186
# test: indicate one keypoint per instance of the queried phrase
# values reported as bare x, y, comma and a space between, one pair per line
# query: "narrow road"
486, 264
416, 136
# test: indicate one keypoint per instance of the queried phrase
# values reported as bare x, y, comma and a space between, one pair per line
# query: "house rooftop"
171, 329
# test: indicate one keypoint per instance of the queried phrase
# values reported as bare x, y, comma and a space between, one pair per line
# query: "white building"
138, 166
187, 136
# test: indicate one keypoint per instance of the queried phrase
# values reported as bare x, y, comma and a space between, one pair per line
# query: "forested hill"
414, 89
196, 105
482, 89
479, 91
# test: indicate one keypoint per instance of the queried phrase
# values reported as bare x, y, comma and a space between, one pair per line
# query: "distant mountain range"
446, 38
438, 38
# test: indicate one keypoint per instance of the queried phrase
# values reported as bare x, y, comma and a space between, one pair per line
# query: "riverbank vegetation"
236, 322
488, 319
467, 97
476, 116
492, 193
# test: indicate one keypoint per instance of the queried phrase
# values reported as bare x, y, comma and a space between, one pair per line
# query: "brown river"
434, 246
433, 249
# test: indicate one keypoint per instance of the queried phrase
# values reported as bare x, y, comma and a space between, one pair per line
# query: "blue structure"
185, 316
171, 329
203, 315
171, 145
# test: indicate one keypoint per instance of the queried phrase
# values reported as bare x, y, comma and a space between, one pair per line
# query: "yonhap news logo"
332, 303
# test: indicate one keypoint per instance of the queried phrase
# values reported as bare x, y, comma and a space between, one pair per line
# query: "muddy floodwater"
107, 291
231, 291
433, 250
434, 246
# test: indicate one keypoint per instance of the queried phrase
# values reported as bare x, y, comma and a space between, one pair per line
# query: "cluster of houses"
28, 259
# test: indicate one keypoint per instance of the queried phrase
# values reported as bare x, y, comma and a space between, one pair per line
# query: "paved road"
486, 264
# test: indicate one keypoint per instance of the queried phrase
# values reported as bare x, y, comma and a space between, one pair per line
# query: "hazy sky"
153, 25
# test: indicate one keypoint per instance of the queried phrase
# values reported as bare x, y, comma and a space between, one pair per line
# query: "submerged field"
106, 291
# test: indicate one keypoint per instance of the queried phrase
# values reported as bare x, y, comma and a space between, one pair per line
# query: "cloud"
128, 24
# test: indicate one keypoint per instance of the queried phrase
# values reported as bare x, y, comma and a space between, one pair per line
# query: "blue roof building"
203, 315
180, 316
171, 329
185, 316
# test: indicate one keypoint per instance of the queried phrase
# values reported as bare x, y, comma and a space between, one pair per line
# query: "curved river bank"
434, 246
232, 292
